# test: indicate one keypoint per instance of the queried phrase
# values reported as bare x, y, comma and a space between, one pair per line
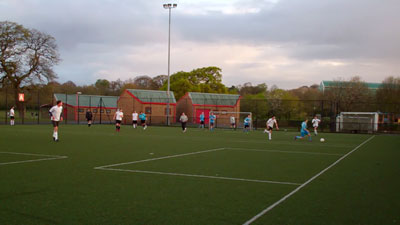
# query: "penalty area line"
50, 157
159, 158
304, 184
201, 176
283, 151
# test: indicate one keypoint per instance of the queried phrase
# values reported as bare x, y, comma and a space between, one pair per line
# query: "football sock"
269, 135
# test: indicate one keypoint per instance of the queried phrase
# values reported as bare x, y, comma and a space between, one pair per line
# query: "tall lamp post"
169, 6
77, 102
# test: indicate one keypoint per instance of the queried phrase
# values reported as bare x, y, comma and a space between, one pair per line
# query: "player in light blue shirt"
247, 122
142, 117
303, 131
202, 120
212, 121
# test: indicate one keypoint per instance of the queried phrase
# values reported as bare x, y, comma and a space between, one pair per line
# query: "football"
322, 140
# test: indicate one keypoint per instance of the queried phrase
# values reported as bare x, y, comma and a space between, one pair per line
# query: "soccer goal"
357, 122
225, 119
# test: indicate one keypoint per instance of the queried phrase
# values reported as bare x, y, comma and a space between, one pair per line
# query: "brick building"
194, 103
153, 103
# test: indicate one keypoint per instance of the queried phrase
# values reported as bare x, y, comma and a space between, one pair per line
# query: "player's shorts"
11, 117
143, 121
246, 126
201, 122
303, 133
269, 128
212, 123
89, 119
233, 124
55, 123
118, 121
315, 126
134, 121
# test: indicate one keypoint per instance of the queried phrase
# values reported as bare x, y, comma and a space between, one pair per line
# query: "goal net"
232, 120
358, 122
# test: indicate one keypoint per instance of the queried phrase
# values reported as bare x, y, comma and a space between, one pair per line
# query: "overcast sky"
289, 43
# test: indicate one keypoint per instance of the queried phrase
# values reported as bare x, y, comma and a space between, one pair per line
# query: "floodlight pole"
169, 6
77, 102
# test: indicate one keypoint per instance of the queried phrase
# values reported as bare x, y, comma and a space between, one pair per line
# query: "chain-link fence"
289, 113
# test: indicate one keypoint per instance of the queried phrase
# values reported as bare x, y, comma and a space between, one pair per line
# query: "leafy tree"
207, 80
103, 86
387, 96
311, 98
249, 89
283, 104
255, 103
233, 90
27, 56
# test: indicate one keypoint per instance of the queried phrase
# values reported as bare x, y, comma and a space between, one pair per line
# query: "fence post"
256, 114
23, 111
78, 108
66, 107
38, 112
322, 114
6, 105
151, 110
101, 104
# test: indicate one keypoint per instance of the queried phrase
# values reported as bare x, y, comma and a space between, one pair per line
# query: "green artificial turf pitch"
163, 176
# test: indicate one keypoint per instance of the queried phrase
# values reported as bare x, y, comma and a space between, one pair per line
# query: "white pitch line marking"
304, 184
280, 151
51, 157
202, 176
294, 144
164, 157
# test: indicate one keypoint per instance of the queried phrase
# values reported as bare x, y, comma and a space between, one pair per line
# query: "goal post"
360, 122
224, 119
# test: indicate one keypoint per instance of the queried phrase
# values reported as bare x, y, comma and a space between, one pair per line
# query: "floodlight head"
169, 5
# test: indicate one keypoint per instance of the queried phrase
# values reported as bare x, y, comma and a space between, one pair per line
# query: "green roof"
152, 96
88, 100
327, 84
213, 99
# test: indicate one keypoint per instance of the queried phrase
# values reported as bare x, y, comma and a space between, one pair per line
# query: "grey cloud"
327, 29
99, 32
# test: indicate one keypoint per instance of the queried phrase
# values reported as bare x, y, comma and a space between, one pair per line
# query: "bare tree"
26, 57
158, 81
388, 95
352, 95
143, 82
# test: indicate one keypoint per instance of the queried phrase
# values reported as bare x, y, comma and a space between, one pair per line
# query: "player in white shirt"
12, 116
270, 125
233, 122
315, 122
135, 116
55, 113
118, 119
